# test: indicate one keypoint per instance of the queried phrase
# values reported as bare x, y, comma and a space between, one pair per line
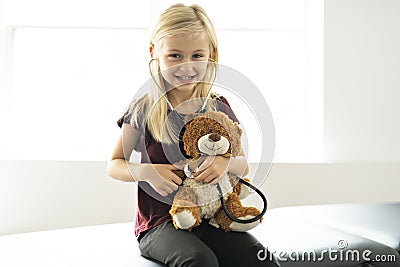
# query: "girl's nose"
187, 65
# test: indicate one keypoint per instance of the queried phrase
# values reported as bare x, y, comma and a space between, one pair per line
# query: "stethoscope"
190, 173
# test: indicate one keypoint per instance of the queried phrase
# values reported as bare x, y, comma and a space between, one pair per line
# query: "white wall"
40, 195
2, 58
362, 81
291, 184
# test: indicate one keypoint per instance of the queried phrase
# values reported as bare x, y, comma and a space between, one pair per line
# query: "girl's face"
183, 60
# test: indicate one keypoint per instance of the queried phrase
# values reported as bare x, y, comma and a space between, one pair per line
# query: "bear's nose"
214, 137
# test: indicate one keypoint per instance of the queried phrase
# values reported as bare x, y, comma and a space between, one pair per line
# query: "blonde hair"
177, 19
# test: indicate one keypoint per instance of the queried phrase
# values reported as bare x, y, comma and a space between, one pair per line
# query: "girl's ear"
151, 49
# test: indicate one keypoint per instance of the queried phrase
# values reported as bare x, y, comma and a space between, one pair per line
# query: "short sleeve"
223, 106
135, 115
126, 118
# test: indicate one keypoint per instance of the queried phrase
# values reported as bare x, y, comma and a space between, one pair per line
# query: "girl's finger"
175, 167
200, 176
209, 178
198, 172
176, 179
172, 186
206, 177
207, 162
168, 190
162, 192
215, 181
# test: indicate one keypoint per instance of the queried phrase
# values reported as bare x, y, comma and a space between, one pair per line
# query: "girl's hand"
161, 178
212, 169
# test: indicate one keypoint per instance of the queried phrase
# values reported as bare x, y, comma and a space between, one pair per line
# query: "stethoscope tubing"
231, 216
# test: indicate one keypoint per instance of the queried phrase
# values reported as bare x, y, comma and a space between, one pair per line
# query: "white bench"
287, 232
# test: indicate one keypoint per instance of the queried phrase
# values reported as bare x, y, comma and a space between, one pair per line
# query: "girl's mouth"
185, 79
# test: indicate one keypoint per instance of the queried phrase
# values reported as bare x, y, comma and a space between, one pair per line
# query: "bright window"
75, 65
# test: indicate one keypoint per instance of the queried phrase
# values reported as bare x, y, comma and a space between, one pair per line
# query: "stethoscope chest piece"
188, 172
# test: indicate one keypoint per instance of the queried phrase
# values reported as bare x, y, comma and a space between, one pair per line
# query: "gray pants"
205, 246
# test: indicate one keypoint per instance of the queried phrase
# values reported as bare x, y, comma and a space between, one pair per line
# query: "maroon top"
152, 208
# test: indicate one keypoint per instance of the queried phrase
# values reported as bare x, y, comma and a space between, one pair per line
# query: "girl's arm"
119, 166
220, 165
239, 166
159, 176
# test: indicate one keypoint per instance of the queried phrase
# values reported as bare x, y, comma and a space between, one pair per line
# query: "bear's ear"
236, 142
238, 129
181, 144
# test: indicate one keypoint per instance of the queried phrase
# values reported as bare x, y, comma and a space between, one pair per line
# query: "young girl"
184, 53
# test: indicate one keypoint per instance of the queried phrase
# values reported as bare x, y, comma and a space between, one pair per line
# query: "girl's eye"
175, 56
198, 56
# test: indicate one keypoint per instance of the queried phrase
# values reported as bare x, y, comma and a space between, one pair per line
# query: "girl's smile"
183, 60
185, 78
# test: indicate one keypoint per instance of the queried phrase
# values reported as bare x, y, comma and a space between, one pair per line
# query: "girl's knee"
265, 258
257, 256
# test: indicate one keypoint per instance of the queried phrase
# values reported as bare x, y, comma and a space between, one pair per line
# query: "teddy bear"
205, 136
